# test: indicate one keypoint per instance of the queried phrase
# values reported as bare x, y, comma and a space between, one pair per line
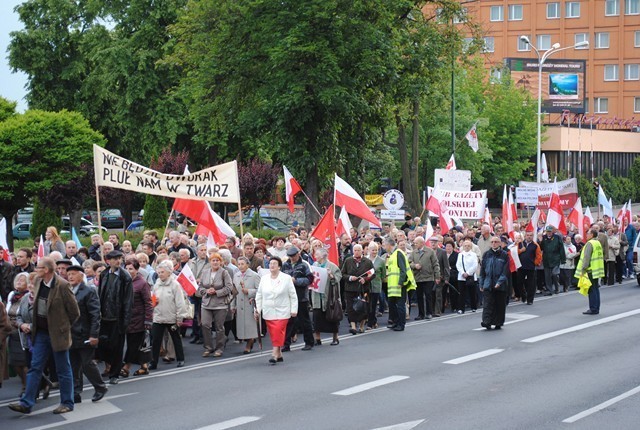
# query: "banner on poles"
462, 204
216, 184
527, 196
567, 190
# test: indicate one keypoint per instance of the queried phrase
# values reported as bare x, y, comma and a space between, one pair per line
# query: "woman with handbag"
169, 312
141, 320
246, 282
216, 287
320, 301
277, 300
467, 266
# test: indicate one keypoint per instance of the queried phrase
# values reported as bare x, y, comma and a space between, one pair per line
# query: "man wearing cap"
302, 278
84, 336
116, 299
54, 311
61, 268
552, 257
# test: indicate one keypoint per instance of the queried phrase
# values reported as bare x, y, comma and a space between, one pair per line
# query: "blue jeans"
629, 262
40, 354
594, 295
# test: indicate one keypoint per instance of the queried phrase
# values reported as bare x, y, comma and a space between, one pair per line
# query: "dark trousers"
82, 362
373, 308
398, 310
134, 340
566, 278
157, 333
611, 272
230, 327
528, 281
454, 295
305, 321
112, 348
620, 263
423, 296
594, 295
495, 306
468, 293
196, 328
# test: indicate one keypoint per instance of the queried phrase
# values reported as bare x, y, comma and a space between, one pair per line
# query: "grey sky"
12, 85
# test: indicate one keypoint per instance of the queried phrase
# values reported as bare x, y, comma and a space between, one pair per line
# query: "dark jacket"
352, 268
494, 269
453, 270
142, 310
302, 277
88, 325
552, 251
116, 302
527, 253
6, 279
443, 261
62, 312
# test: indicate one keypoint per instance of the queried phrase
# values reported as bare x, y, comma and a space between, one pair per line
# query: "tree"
155, 212
587, 192
258, 181
7, 109
43, 217
38, 150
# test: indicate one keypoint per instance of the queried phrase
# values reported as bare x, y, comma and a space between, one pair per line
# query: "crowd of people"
73, 312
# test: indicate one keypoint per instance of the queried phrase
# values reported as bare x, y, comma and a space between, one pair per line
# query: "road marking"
230, 423
475, 356
370, 385
581, 326
402, 426
514, 317
81, 412
602, 406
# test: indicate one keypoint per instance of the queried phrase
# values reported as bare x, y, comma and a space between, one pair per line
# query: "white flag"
472, 138
544, 170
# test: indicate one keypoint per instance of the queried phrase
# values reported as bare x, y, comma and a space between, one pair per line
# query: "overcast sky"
12, 85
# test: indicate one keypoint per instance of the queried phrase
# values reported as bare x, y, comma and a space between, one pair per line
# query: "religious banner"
320, 278
216, 184
461, 204
567, 190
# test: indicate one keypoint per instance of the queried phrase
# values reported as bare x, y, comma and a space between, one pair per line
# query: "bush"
155, 212
44, 217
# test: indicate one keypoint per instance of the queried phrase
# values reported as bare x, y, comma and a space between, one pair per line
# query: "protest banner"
320, 278
462, 204
567, 190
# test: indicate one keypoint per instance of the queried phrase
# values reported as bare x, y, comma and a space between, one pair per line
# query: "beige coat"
171, 306
429, 267
223, 284
244, 304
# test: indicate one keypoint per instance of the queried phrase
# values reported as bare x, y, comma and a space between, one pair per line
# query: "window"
496, 75
515, 12
636, 38
460, 17
586, 105
489, 44
602, 40
631, 72
610, 72
612, 7
573, 9
497, 13
581, 37
636, 104
553, 10
632, 7
523, 46
544, 42
600, 105
466, 43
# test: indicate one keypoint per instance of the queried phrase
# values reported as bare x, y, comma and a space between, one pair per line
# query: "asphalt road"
550, 367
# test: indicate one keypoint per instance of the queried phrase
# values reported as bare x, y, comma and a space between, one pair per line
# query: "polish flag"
344, 224
451, 165
438, 207
514, 258
533, 224
622, 214
429, 230
41, 248
347, 198
325, 232
555, 216
187, 280
292, 187
587, 219
6, 256
508, 212
576, 216
220, 231
629, 215
487, 218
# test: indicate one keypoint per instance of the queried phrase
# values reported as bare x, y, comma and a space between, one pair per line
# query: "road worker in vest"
592, 263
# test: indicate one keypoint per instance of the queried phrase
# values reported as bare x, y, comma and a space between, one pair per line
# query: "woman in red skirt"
277, 300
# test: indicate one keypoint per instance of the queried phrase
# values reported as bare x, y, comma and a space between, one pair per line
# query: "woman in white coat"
246, 282
276, 299
467, 266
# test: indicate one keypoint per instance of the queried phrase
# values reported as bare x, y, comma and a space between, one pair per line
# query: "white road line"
475, 356
402, 426
370, 385
581, 326
602, 406
515, 318
230, 423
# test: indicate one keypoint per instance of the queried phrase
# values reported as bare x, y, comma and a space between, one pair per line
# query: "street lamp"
541, 59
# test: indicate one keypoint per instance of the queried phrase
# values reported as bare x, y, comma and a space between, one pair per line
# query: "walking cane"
259, 325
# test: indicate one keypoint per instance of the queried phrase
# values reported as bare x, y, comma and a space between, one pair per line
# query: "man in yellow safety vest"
591, 262
400, 280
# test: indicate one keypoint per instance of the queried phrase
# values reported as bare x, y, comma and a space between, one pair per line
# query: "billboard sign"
563, 82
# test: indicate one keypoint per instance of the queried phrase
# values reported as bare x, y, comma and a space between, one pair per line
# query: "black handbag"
360, 305
469, 281
334, 312
144, 351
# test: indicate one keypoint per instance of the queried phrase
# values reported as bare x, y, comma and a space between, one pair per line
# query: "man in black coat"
116, 300
302, 278
84, 336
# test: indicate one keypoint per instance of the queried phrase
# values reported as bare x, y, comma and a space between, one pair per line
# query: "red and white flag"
514, 258
344, 224
508, 211
438, 207
347, 198
6, 256
587, 220
487, 218
451, 165
41, 248
292, 187
576, 217
472, 138
533, 224
325, 232
622, 214
555, 216
428, 230
187, 280
628, 214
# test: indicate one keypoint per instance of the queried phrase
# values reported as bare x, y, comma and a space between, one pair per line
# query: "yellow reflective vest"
596, 264
394, 289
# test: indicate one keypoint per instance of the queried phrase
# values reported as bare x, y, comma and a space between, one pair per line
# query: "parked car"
21, 231
112, 218
87, 228
138, 226
24, 215
269, 223
87, 215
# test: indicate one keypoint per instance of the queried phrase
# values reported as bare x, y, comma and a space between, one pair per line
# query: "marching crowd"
76, 311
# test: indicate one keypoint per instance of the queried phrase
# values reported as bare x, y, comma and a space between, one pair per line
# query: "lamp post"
541, 59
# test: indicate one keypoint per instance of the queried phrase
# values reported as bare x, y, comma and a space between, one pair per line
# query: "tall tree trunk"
74, 220
312, 189
407, 184
413, 198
